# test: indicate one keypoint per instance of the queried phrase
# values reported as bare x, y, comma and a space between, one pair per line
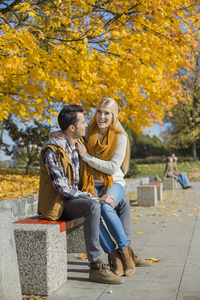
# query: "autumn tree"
184, 118
27, 142
75, 51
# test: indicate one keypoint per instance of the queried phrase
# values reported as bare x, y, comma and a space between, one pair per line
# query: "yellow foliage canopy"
77, 51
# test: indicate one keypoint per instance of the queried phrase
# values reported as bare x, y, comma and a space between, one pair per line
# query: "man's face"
80, 126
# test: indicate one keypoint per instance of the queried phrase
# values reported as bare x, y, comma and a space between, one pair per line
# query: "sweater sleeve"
113, 165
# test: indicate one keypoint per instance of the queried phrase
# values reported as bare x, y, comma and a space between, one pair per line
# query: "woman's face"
104, 119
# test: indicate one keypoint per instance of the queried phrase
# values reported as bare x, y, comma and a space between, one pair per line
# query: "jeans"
183, 179
91, 211
123, 211
112, 221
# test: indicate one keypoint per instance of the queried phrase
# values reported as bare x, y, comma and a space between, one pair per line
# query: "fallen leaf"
82, 256
173, 215
180, 220
154, 260
139, 232
163, 230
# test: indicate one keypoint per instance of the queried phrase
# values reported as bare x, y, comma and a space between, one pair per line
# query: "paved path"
169, 232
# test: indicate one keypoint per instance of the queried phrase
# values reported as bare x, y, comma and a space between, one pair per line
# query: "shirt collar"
70, 148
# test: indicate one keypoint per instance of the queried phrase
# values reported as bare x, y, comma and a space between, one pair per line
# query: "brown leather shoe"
115, 263
139, 262
103, 275
128, 258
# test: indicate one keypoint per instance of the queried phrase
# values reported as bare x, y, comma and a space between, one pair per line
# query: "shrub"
133, 170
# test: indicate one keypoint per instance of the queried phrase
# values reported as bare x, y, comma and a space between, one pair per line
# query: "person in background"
174, 162
180, 177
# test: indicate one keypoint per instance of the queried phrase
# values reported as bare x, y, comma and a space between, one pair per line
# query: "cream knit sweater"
113, 166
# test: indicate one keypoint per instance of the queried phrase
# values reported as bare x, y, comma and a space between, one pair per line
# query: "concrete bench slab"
42, 252
147, 195
169, 184
159, 188
10, 288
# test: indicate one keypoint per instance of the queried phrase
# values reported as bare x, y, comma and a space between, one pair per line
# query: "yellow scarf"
104, 150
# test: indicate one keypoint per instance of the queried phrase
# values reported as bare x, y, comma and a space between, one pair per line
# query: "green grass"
192, 169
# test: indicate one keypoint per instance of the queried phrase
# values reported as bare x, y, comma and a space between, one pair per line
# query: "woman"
181, 177
107, 150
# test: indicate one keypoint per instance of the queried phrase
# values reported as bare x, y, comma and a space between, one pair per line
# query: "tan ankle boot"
115, 263
100, 273
128, 258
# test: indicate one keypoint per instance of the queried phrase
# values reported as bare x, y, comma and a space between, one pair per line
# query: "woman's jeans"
182, 178
111, 220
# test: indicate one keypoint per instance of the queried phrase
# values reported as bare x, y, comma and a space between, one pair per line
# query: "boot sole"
108, 282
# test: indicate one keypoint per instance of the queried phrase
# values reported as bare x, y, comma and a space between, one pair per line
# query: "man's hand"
107, 199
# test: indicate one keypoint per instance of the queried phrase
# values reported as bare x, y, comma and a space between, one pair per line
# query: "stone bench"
159, 188
42, 248
147, 195
169, 183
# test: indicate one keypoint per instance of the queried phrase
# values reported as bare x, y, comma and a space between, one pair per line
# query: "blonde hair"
112, 106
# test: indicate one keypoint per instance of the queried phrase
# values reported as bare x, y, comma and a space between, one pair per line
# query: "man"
59, 195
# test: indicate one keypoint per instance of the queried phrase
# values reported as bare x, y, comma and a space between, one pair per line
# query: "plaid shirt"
58, 178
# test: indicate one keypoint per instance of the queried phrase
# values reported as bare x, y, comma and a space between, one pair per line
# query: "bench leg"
76, 240
147, 195
42, 257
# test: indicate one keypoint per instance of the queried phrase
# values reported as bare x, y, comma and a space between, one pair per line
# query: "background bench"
159, 188
169, 183
147, 195
42, 248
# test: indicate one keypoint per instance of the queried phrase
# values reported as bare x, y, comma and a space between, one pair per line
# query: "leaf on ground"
139, 232
189, 215
82, 256
180, 220
163, 230
154, 260
173, 215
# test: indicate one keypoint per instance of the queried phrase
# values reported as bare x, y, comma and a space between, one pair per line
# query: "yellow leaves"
135, 60
14, 186
139, 232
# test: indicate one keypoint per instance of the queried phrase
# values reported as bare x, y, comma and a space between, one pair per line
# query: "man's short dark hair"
68, 116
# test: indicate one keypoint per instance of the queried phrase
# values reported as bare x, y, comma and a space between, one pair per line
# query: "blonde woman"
107, 151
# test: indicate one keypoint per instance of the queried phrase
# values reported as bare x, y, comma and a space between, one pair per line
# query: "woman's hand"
58, 135
81, 149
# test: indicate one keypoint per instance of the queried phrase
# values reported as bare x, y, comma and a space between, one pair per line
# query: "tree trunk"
27, 168
194, 151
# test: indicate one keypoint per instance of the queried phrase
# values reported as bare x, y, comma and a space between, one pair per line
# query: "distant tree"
184, 118
142, 145
27, 142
